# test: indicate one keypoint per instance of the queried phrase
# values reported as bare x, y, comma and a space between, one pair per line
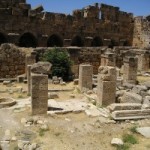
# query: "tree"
61, 63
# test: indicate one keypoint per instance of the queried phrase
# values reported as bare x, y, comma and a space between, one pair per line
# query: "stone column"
30, 60
143, 61
85, 77
106, 89
29, 79
130, 70
108, 59
39, 94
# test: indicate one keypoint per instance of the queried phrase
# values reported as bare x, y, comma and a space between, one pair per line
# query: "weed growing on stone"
20, 96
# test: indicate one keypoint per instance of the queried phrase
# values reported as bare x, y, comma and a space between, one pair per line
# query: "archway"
77, 41
113, 43
54, 40
126, 43
2, 39
97, 41
28, 40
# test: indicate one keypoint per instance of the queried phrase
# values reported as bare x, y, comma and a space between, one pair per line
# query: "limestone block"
106, 88
130, 97
124, 106
131, 114
39, 94
130, 70
85, 77
41, 68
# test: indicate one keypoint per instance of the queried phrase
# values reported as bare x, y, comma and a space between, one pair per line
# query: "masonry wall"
141, 32
12, 61
90, 26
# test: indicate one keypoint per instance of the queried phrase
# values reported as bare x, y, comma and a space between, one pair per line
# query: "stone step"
131, 114
124, 106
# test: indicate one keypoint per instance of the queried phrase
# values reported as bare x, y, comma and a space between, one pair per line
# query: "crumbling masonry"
95, 25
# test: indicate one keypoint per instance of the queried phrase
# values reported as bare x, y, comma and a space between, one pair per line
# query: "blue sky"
138, 7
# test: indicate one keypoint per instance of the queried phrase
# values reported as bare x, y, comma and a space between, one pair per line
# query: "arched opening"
27, 40
54, 40
77, 41
126, 43
113, 43
97, 41
2, 39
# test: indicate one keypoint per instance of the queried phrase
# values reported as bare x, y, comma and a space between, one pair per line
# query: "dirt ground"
68, 131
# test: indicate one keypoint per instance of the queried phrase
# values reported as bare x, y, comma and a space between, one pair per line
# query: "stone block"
130, 97
131, 114
39, 94
85, 77
124, 106
130, 70
106, 89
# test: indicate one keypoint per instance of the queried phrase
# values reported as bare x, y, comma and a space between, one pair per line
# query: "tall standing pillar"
106, 89
39, 94
85, 77
130, 70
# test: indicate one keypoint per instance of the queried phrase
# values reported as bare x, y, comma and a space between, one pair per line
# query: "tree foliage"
61, 63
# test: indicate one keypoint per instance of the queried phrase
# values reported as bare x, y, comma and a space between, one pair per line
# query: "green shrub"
61, 63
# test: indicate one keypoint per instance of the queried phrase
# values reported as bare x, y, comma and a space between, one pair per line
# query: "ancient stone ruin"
110, 71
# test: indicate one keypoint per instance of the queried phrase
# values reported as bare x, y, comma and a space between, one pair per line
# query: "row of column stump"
106, 88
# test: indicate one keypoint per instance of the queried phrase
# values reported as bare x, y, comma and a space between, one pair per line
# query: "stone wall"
95, 25
141, 32
12, 61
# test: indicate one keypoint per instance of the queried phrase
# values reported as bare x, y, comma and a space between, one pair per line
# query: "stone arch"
113, 43
2, 38
28, 40
77, 41
97, 41
126, 43
54, 40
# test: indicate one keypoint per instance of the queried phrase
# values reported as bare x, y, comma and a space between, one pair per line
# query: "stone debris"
41, 68
124, 106
130, 97
116, 141
145, 131
131, 114
53, 95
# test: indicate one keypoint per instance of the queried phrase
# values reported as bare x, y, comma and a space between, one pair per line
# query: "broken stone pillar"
30, 60
85, 77
29, 79
108, 59
106, 88
130, 70
39, 94
143, 61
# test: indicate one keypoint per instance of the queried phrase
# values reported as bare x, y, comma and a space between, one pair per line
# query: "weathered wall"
95, 25
141, 32
12, 61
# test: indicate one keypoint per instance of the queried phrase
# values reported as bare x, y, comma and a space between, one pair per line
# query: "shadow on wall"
55, 40
77, 41
2, 39
28, 40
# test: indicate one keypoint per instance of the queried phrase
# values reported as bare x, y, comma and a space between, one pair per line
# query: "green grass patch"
123, 147
133, 129
128, 138
42, 132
